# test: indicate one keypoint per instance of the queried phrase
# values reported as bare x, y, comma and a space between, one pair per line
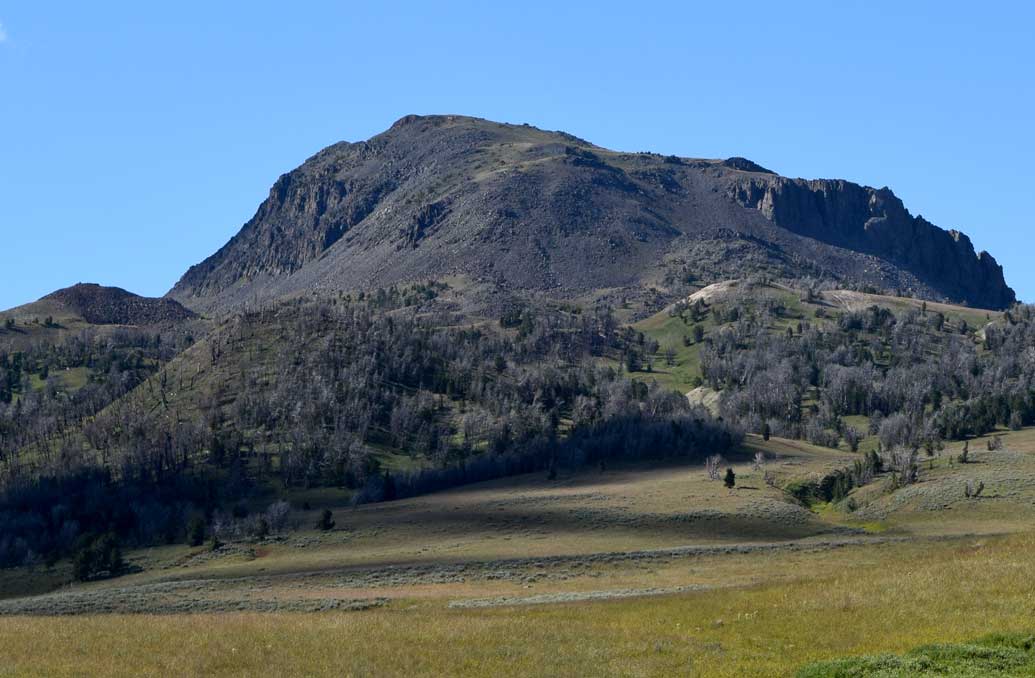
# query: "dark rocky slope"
514, 207
99, 305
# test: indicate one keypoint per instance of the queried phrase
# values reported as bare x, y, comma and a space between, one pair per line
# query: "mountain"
517, 208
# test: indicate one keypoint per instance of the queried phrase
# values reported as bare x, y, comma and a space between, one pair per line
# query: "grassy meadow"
875, 600
636, 571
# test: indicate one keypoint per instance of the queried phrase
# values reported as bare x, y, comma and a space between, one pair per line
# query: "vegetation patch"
994, 655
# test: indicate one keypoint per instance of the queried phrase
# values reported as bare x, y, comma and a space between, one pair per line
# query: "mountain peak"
528, 209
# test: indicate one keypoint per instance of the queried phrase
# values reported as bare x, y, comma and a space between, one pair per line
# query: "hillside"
389, 460
98, 310
399, 393
512, 207
681, 333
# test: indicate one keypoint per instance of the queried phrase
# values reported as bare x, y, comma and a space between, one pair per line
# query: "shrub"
853, 437
196, 531
275, 519
816, 434
98, 557
262, 528
326, 521
804, 491
904, 463
895, 431
277, 516
996, 655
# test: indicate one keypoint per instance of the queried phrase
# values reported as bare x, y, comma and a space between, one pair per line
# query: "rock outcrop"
874, 221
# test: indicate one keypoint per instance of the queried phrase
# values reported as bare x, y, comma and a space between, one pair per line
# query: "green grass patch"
995, 655
670, 332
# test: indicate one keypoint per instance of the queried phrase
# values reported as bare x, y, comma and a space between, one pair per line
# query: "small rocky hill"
100, 305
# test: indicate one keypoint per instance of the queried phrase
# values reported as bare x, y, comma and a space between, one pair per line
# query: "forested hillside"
894, 378
381, 395
400, 391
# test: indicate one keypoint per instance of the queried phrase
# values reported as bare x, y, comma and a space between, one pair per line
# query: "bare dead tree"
712, 465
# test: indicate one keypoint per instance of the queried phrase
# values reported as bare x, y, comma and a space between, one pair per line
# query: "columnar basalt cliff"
875, 221
515, 207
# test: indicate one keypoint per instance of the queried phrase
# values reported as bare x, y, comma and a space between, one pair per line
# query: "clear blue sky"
136, 138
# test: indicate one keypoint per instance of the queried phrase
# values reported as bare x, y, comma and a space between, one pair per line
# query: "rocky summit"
518, 208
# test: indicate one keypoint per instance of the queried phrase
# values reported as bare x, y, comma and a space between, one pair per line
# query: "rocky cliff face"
875, 221
518, 208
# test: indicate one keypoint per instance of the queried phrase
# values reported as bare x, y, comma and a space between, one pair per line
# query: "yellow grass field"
637, 571
851, 601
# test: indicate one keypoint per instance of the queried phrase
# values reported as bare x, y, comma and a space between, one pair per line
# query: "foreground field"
877, 599
626, 571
